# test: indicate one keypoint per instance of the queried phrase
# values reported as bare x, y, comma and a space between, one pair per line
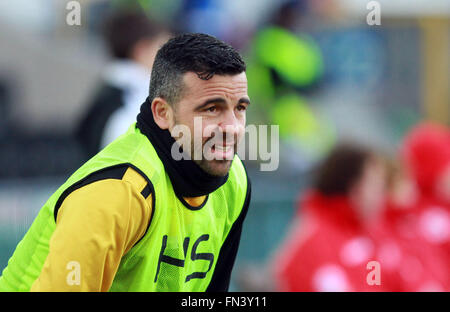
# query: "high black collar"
187, 178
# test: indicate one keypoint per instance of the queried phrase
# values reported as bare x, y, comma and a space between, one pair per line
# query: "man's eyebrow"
218, 100
244, 100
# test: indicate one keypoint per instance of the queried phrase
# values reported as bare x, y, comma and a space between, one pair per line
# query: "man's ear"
162, 113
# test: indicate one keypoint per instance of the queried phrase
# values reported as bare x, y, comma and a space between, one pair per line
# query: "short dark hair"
342, 168
202, 54
123, 29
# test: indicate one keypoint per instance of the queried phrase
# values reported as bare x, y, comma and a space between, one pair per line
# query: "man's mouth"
223, 152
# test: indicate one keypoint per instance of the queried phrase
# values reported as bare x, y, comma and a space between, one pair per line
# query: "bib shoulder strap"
125, 171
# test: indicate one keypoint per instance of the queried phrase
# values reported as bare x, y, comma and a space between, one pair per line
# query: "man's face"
220, 103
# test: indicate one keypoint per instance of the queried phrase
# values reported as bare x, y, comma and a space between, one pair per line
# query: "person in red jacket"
426, 155
405, 256
329, 247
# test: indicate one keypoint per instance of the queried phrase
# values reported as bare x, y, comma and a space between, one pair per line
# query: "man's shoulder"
119, 174
125, 172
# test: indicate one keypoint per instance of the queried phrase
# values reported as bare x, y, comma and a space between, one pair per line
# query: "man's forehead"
225, 83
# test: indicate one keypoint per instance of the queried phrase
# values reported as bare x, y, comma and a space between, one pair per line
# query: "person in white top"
133, 79
133, 40
132, 75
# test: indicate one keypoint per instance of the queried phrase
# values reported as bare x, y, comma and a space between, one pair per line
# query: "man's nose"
230, 123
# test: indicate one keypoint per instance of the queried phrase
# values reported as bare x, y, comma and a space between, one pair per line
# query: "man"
133, 218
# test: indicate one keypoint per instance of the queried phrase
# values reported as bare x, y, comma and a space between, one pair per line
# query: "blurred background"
317, 68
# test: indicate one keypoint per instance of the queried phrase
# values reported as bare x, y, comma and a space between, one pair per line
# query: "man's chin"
217, 168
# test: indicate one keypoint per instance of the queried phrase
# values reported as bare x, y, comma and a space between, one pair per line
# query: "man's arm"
96, 225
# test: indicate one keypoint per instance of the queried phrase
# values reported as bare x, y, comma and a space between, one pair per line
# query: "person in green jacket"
282, 65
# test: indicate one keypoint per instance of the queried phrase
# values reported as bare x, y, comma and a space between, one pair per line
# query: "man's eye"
211, 109
241, 108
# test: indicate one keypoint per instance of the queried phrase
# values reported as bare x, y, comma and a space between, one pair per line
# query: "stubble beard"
215, 167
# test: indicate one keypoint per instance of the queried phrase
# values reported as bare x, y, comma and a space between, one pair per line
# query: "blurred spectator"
207, 16
329, 247
405, 256
282, 67
133, 40
426, 153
